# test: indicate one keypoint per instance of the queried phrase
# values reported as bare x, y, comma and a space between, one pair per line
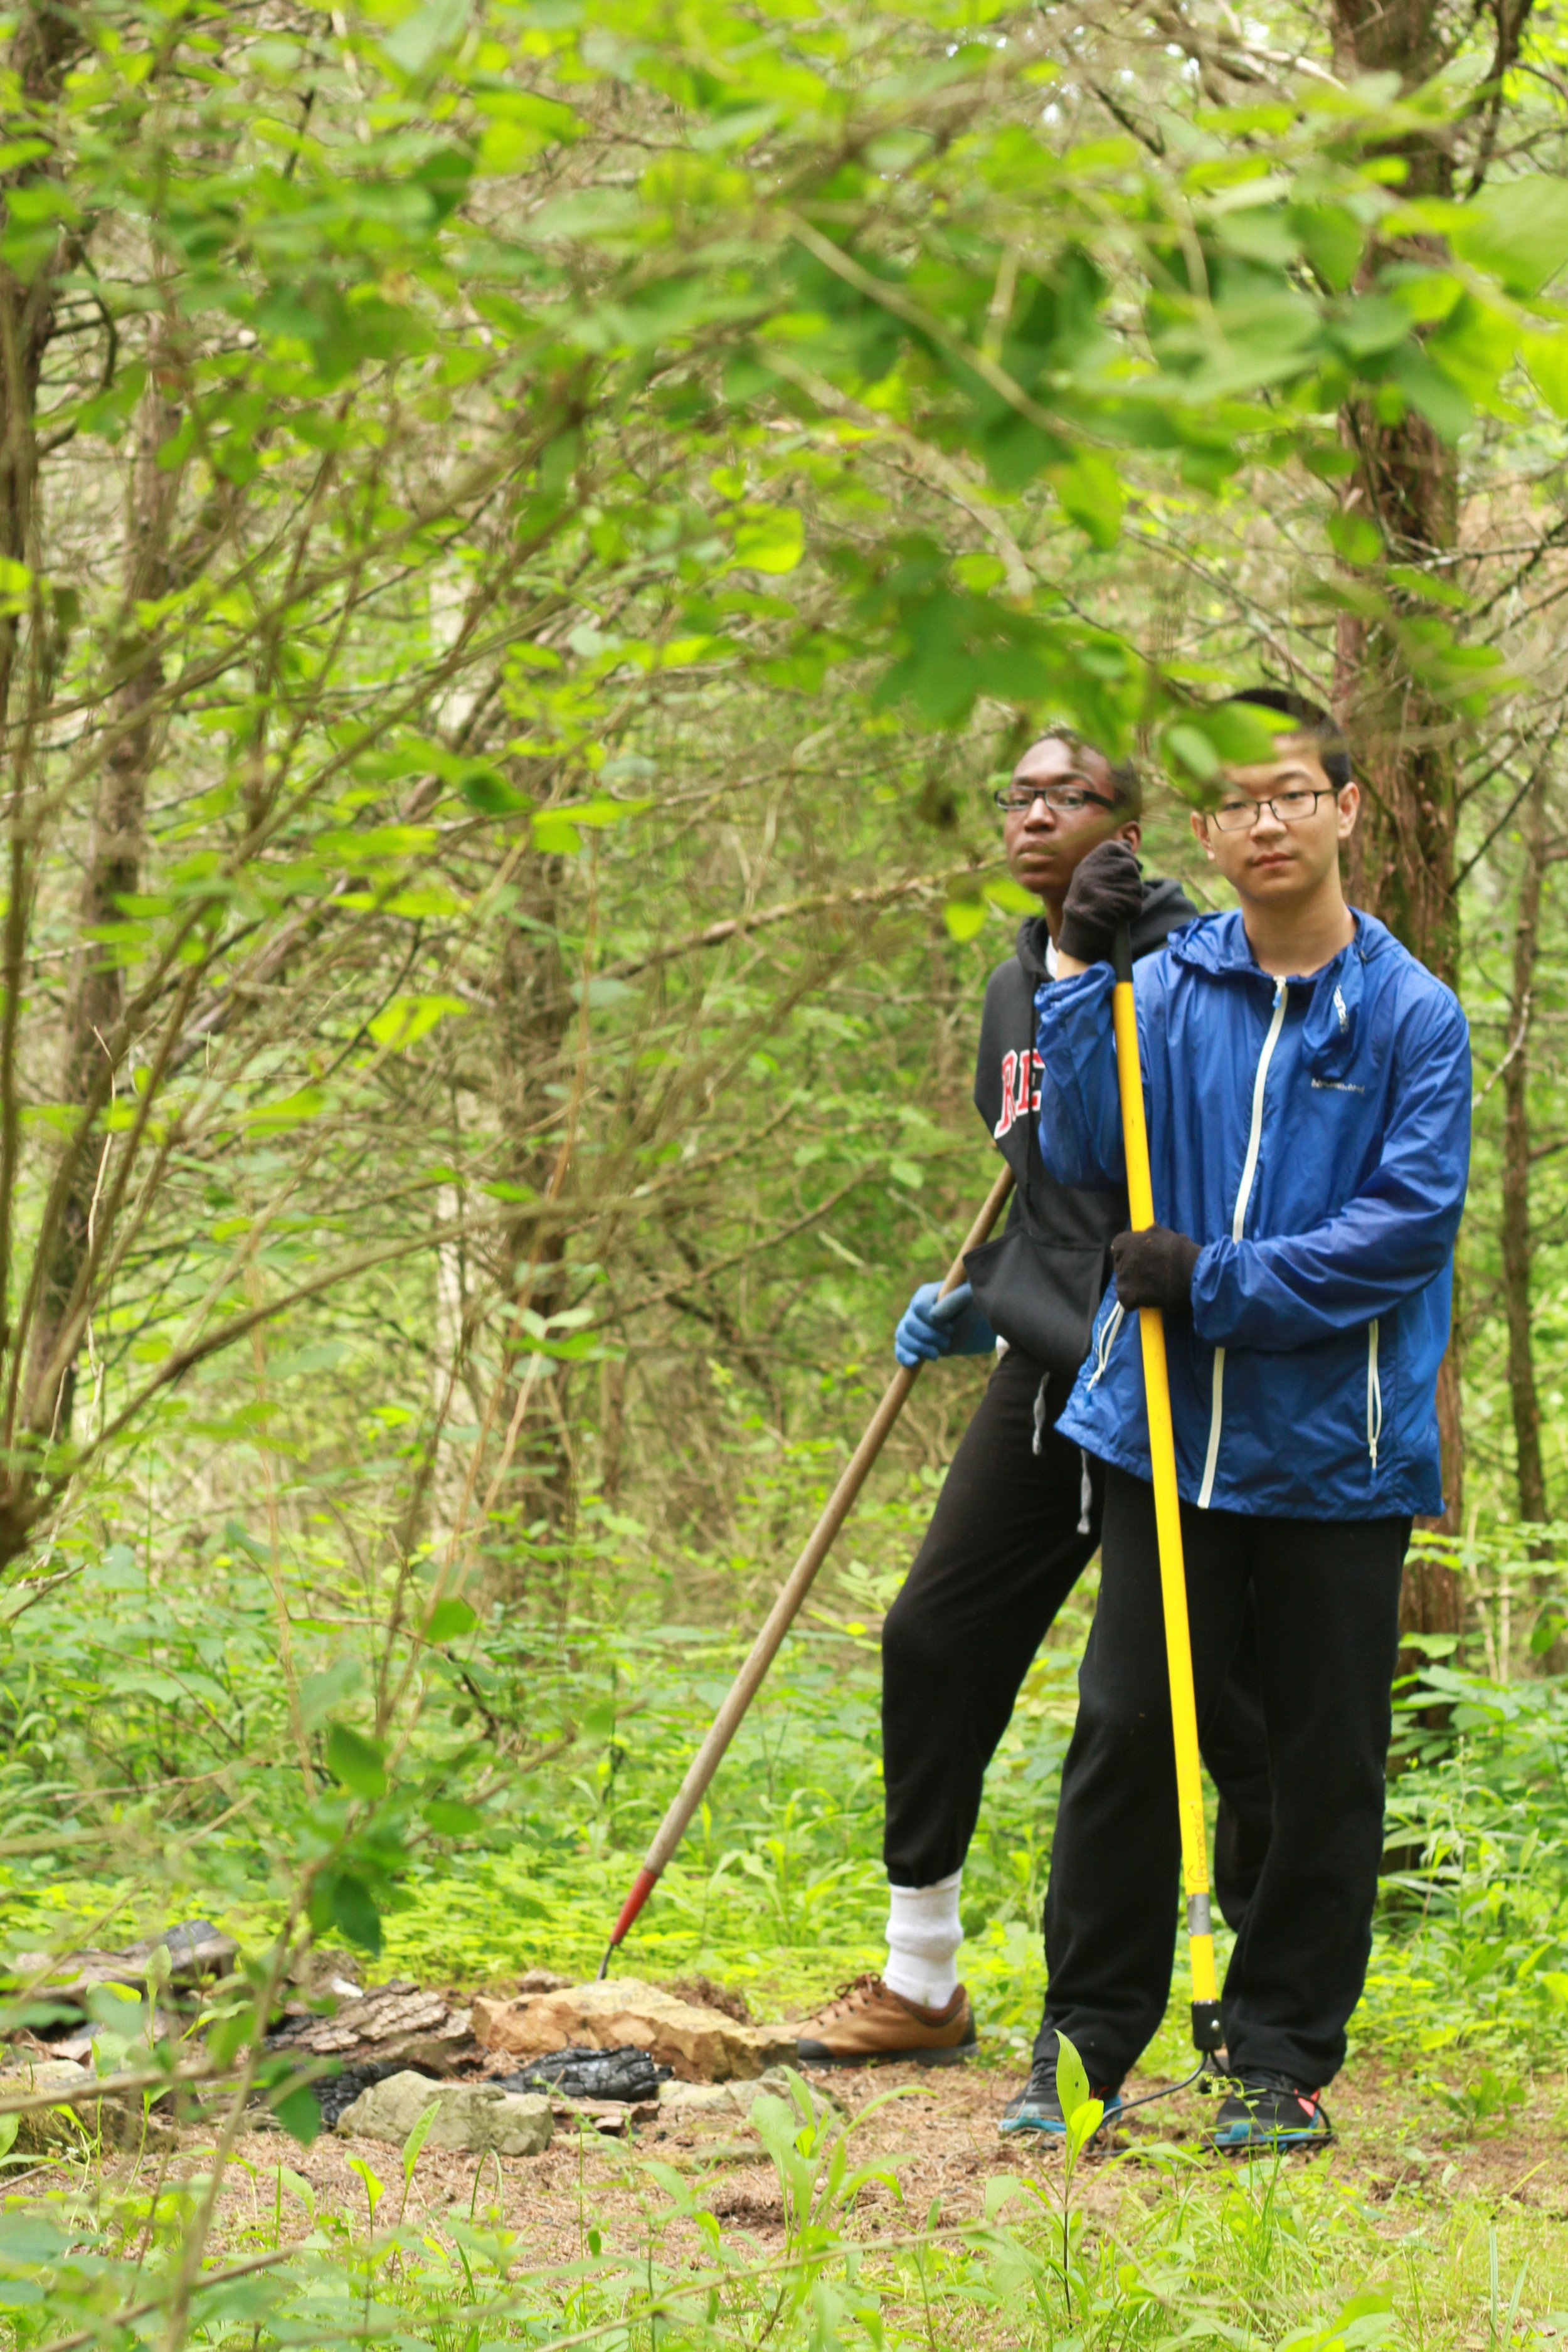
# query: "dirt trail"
1395, 2148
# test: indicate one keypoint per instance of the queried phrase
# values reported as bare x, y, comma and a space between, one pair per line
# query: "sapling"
1081, 2118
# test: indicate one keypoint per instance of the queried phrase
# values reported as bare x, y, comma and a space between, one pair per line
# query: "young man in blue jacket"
1307, 1090
1018, 1517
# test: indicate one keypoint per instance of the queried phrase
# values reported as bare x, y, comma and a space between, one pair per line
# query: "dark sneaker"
1267, 2114
868, 2022
1038, 2108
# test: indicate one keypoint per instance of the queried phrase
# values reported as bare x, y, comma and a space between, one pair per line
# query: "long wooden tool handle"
782, 1613
1206, 2031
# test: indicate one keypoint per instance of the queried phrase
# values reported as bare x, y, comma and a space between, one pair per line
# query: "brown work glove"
1105, 891
1154, 1268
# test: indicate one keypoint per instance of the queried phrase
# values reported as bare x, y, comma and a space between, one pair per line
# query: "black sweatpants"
1324, 1600
1004, 1548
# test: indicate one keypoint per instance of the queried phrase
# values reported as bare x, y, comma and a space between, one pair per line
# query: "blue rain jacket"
1314, 1135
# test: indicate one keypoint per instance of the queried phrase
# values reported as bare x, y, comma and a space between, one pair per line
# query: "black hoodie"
1042, 1281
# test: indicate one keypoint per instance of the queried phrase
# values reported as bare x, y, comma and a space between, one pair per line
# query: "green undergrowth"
150, 1770
149, 1774
1159, 2250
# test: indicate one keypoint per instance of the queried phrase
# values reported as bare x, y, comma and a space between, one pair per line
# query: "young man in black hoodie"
1018, 1517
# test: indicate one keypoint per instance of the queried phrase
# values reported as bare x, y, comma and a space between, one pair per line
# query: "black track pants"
1004, 1550
1324, 1603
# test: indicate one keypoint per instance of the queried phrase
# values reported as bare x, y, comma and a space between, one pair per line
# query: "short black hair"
1126, 782
1311, 719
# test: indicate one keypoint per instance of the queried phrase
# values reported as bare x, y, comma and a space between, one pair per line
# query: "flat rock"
681, 2103
479, 2117
700, 2045
118, 2123
47, 2128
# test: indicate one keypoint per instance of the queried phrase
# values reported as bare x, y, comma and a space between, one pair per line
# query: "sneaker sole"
1048, 2129
1282, 2143
817, 2053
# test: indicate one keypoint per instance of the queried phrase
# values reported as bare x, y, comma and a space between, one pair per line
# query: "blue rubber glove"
933, 1327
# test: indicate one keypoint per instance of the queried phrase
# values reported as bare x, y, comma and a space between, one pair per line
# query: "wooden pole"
782, 1613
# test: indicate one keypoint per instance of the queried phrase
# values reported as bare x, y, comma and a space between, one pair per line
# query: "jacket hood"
1218, 944
1165, 905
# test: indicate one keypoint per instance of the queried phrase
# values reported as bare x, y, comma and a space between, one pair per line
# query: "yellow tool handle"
1206, 2032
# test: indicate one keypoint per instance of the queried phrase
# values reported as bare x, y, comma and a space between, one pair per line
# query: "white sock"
924, 1932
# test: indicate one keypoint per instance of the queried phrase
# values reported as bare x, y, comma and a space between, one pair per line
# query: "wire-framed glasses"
1289, 808
1064, 798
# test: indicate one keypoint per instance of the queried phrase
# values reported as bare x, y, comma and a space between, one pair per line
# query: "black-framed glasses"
1289, 808
1064, 798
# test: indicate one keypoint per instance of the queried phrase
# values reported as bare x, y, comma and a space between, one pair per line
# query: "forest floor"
1397, 2155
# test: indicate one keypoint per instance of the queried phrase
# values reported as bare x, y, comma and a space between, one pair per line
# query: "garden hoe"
1206, 2029
782, 1616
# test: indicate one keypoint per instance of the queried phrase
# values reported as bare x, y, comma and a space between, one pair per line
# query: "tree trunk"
113, 873
1515, 1240
1401, 865
534, 1018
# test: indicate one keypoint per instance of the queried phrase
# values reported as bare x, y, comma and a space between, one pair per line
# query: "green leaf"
292, 1110
964, 918
487, 790
1072, 2083
769, 538
299, 2114
358, 1762
1355, 538
1546, 357
416, 2141
450, 1619
374, 2187
1190, 747
1091, 493
352, 1907
407, 1019
1517, 230
448, 1818
436, 26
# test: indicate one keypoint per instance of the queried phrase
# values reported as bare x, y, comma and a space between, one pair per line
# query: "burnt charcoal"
627, 2074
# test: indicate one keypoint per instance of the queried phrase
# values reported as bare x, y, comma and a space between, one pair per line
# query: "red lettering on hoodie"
1021, 1076
1009, 1066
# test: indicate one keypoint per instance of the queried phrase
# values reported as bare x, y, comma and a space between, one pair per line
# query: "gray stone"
479, 2116
775, 2081
677, 2102
680, 2102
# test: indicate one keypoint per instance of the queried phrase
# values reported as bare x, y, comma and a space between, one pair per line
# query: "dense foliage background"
527, 535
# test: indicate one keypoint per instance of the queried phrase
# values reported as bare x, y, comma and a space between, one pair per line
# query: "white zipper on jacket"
1373, 1394
1106, 1342
1238, 1219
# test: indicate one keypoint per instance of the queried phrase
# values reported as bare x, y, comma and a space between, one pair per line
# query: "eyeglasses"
1289, 808
1064, 799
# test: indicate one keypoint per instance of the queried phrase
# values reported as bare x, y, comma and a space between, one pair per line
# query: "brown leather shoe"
866, 2021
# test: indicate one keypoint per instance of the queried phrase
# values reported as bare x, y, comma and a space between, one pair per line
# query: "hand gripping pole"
1207, 2033
782, 1613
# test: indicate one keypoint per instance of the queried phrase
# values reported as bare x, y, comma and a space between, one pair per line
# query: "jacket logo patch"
1337, 1086
1021, 1076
